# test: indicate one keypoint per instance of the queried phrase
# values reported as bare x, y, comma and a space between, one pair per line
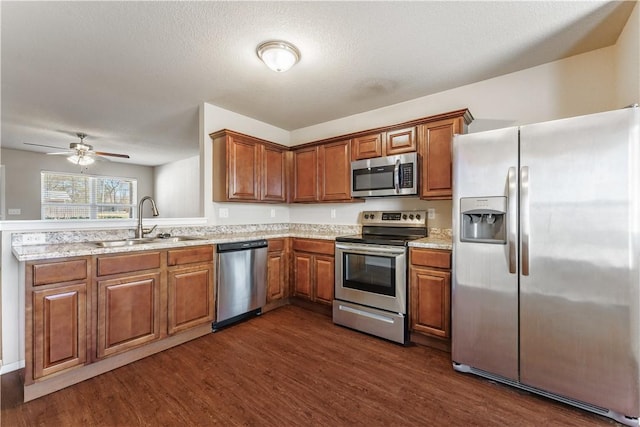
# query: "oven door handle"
371, 251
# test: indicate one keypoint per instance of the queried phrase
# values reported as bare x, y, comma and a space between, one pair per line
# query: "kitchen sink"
143, 240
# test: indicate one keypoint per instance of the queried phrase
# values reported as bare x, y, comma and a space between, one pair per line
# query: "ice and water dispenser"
483, 220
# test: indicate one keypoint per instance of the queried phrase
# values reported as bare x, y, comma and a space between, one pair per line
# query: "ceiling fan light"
278, 55
82, 159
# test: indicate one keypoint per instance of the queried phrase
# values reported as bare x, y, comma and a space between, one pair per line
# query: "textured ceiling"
132, 74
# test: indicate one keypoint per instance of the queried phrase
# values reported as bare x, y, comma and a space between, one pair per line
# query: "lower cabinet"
128, 301
128, 312
59, 329
430, 292
314, 270
190, 288
277, 270
56, 316
81, 311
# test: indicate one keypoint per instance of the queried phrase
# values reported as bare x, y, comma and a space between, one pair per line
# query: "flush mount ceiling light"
278, 55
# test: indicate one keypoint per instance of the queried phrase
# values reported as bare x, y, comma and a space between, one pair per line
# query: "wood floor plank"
290, 367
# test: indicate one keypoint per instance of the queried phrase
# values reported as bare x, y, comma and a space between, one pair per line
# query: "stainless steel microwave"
385, 176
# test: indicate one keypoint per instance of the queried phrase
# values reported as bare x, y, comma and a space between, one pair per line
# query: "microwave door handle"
396, 176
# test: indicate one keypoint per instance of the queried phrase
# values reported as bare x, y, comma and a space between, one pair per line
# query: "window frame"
94, 207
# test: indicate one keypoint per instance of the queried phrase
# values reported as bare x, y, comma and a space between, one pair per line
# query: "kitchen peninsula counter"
78, 243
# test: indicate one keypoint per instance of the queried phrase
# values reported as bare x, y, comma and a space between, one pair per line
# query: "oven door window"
370, 273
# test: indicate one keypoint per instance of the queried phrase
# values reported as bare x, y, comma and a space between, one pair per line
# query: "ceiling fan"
80, 153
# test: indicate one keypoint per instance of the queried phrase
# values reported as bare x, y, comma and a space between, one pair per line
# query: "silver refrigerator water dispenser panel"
483, 219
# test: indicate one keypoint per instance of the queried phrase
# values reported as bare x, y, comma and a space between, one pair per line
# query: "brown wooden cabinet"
248, 169
314, 270
436, 149
190, 288
277, 270
322, 173
334, 169
56, 317
88, 315
388, 143
398, 141
128, 301
430, 292
305, 175
367, 146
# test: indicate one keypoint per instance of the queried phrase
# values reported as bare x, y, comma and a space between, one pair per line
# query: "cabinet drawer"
189, 255
314, 246
431, 258
57, 272
276, 245
127, 263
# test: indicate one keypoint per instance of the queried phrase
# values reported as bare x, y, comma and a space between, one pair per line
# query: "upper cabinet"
321, 173
248, 169
436, 138
305, 175
391, 142
334, 171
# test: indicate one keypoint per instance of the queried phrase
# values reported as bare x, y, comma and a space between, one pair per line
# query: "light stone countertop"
437, 239
62, 246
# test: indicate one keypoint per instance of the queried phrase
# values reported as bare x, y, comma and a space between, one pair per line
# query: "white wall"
628, 61
177, 188
574, 86
22, 172
213, 119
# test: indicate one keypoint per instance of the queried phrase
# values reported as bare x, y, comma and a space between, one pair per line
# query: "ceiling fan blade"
102, 153
42, 145
60, 153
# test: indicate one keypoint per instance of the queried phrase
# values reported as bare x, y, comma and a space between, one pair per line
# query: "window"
79, 196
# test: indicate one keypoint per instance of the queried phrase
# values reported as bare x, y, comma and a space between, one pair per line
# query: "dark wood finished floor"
290, 367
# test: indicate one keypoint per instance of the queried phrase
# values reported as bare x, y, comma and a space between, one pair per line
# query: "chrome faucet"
140, 232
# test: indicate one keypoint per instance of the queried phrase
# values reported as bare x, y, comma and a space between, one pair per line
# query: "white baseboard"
12, 367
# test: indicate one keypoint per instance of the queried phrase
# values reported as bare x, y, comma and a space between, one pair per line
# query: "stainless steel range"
371, 273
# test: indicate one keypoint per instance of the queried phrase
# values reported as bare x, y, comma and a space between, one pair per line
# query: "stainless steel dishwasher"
242, 281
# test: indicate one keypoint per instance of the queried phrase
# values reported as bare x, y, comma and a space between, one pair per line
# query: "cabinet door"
335, 171
367, 147
128, 312
303, 275
430, 302
273, 174
243, 169
59, 329
305, 175
400, 141
276, 276
436, 158
325, 272
190, 297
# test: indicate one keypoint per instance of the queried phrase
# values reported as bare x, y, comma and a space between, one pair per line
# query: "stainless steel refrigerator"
546, 276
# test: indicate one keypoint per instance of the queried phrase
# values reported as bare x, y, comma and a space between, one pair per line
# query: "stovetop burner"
395, 228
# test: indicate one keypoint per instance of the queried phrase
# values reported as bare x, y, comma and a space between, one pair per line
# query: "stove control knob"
366, 216
418, 217
411, 217
372, 216
404, 216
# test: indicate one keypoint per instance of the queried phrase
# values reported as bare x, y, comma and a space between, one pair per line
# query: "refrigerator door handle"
512, 219
525, 224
